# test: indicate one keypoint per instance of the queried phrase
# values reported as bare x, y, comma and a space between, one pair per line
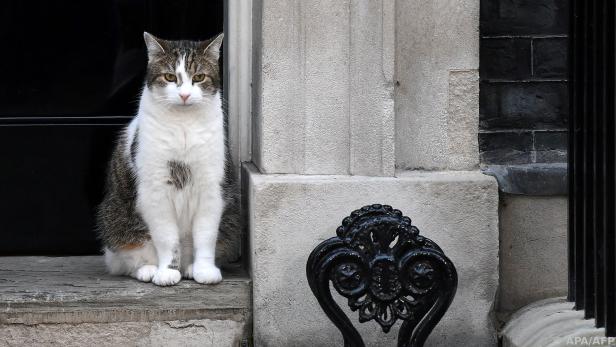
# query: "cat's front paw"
166, 277
145, 273
206, 274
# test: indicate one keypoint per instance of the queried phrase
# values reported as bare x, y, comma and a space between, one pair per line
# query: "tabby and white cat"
166, 186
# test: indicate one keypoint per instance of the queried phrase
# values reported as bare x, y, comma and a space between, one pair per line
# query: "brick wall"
523, 68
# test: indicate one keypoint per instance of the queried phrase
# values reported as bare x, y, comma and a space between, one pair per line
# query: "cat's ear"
155, 45
212, 48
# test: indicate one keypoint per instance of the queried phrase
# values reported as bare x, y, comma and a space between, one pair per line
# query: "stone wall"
533, 250
318, 109
436, 93
523, 92
523, 142
292, 214
350, 99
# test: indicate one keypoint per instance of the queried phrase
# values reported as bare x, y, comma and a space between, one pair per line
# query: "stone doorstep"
552, 323
55, 291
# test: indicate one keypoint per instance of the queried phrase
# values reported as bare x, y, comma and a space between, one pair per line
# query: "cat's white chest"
181, 160
197, 146
190, 143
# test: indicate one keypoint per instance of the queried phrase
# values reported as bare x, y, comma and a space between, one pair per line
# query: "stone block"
551, 146
463, 121
323, 87
433, 41
184, 333
524, 17
533, 245
72, 301
537, 179
291, 214
524, 105
505, 58
550, 57
505, 147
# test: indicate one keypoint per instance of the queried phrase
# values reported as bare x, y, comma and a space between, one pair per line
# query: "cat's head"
183, 73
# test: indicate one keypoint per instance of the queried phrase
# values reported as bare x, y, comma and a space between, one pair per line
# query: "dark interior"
72, 76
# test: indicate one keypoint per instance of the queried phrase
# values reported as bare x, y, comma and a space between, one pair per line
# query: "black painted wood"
592, 242
609, 154
72, 75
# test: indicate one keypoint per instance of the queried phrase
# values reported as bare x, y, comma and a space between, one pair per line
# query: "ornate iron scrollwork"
387, 271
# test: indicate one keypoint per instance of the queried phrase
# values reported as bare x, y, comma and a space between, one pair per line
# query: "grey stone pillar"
324, 82
345, 92
437, 98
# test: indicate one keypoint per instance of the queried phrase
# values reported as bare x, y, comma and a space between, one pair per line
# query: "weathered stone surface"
291, 214
523, 78
524, 105
66, 301
506, 147
538, 150
323, 87
185, 333
433, 39
533, 243
551, 140
463, 120
531, 179
551, 156
371, 89
553, 323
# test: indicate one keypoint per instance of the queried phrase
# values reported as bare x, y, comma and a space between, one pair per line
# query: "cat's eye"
169, 77
200, 77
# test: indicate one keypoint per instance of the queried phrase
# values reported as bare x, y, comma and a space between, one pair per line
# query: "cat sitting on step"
170, 207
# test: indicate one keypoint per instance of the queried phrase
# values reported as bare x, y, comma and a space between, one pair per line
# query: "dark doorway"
72, 77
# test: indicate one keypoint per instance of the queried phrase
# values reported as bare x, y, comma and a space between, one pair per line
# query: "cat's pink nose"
184, 96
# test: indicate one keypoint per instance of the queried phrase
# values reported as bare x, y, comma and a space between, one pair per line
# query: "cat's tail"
230, 231
128, 260
228, 243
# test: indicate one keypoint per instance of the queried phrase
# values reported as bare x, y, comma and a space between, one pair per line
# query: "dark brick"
551, 140
515, 115
523, 105
519, 141
505, 147
524, 17
551, 157
550, 58
551, 147
505, 157
505, 59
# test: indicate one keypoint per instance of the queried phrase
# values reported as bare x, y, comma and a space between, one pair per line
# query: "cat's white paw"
188, 272
206, 274
145, 273
166, 277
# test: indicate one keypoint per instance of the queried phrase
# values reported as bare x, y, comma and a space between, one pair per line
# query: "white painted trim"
238, 77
